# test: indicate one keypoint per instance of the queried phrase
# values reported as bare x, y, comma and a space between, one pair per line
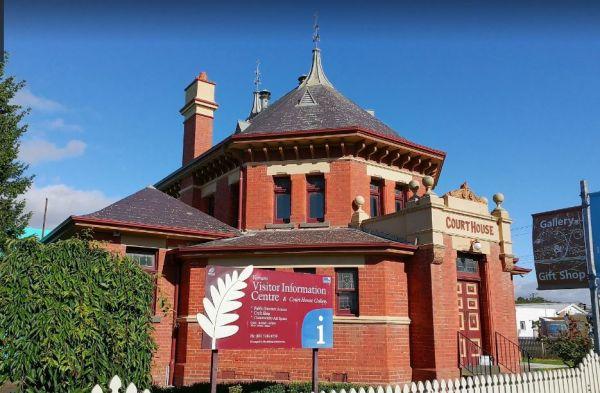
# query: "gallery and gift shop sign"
248, 308
559, 249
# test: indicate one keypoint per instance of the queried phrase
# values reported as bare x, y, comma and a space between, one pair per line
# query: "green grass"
554, 362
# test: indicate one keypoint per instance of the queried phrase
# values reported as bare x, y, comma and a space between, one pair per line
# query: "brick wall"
372, 353
197, 136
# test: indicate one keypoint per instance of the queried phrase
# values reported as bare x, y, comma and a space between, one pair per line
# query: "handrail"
512, 353
474, 355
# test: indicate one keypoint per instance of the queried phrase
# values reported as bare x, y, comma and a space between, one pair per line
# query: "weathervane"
257, 75
316, 36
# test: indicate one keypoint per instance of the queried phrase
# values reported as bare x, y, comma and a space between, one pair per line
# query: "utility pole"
44, 222
587, 226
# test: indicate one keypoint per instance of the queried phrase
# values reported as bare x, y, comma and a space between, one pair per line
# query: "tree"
72, 315
572, 345
13, 182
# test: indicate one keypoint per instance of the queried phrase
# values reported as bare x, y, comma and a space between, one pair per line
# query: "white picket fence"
115, 386
584, 378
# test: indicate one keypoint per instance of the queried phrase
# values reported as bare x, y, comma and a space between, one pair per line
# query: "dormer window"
283, 205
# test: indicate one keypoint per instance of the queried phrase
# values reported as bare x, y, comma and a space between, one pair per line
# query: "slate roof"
155, 208
299, 237
332, 110
314, 105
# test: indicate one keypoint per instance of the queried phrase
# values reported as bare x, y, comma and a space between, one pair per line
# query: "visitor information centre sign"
252, 308
559, 249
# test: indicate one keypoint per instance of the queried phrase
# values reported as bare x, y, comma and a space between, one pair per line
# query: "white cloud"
61, 125
27, 99
38, 150
525, 286
63, 201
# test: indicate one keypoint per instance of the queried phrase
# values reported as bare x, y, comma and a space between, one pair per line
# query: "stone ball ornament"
428, 181
413, 185
498, 199
359, 200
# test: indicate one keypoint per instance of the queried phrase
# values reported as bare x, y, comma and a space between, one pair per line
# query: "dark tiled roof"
297, 237
332, 110
153, 207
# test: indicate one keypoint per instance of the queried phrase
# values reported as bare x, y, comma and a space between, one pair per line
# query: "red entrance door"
469, 319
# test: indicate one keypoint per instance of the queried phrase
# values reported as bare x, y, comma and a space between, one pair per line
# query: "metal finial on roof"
316, 37
256, 102
257, 76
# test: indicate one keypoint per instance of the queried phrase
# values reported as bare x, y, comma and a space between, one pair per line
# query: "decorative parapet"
465, 192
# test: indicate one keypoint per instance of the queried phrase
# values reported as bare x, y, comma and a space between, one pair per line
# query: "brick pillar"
299, 212
433, 309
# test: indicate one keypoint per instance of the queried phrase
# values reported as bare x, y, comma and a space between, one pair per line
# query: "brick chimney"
198, 113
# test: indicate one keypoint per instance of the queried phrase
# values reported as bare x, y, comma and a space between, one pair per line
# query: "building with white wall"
527, 314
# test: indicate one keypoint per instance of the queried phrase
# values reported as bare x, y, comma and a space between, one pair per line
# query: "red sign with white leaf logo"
254, 308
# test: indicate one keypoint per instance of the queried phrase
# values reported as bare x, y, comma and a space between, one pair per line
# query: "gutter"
386, 246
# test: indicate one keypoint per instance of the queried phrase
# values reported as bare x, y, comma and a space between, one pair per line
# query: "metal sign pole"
587, 225
315, 370
214, 359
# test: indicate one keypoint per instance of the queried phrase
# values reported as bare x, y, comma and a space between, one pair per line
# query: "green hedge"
258, 387
73, 315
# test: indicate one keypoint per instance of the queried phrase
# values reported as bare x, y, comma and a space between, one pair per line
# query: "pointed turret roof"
314, 104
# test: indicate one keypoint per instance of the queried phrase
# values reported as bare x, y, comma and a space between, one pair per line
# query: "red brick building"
312, 183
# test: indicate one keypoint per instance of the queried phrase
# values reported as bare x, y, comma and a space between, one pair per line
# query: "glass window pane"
346, 280
316, 205
316, 182
374, 206
466, 265
144, 259
283, 207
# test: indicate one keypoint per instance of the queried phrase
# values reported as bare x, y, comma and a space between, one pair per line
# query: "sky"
509, 90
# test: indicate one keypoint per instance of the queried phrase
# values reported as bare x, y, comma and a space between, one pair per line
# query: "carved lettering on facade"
471, 226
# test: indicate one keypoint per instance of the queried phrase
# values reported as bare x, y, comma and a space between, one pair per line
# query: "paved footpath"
537, 366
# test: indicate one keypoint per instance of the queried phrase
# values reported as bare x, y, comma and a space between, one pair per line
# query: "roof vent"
371, 112
301, 78
307, 99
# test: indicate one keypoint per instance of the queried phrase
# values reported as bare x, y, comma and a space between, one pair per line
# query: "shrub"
258, 387
572, 345
72, 315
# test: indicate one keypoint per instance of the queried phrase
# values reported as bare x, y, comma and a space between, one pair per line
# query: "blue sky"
509, 90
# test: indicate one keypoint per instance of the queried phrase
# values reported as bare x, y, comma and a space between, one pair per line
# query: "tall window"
400, 196
146, 257
283, 206
234, 190
375, 197
347, 291
210, 205
315, 198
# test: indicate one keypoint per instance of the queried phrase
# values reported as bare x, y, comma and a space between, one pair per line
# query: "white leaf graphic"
218, 309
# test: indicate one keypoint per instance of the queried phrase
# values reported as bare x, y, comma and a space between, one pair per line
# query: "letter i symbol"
320, 329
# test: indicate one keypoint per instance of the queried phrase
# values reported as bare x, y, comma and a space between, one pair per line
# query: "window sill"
324, 224
279, 226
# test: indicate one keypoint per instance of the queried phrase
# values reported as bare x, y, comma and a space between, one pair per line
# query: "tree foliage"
572, 345
72, 315
13, 182
531, 299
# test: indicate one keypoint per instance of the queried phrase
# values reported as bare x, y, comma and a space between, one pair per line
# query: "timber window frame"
346, 292
315, 190
376, 197
282, 199
140, 254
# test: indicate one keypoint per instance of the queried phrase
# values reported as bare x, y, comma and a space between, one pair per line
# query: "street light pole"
587, 226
